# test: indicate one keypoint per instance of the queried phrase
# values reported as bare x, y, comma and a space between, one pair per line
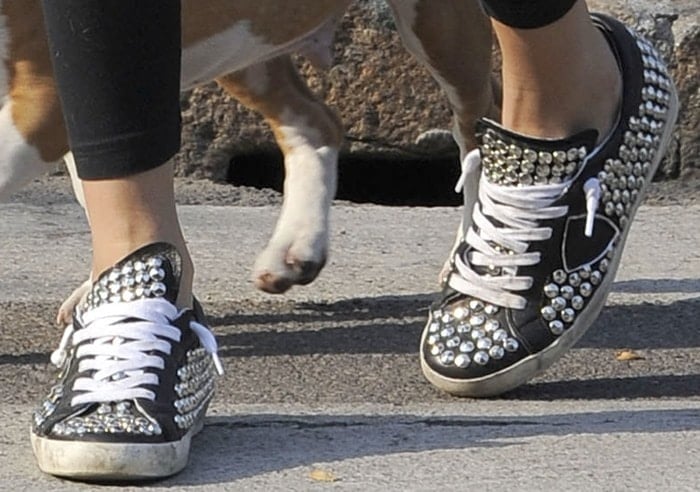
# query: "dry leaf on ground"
320, 475
627, 354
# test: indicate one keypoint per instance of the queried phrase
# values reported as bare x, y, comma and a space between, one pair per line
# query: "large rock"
388, 101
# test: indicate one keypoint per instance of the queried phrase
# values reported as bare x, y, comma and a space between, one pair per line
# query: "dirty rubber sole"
101, 461
522, 371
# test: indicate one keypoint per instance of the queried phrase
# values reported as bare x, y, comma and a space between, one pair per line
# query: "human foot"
137, 375
546, 234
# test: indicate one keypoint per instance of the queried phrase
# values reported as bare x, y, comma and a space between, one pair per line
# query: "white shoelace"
120, 352
519, 210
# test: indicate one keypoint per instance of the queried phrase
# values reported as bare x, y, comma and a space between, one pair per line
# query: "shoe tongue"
150, 272
512, 159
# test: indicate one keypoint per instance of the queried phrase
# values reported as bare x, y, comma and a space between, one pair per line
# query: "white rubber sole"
522, 371
112, 461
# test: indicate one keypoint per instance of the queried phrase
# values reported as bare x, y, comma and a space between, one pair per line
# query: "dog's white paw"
285, 263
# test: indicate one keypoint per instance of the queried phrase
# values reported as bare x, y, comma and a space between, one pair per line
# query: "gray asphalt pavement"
323, 388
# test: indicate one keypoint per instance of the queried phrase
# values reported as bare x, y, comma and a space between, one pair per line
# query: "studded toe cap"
467, 338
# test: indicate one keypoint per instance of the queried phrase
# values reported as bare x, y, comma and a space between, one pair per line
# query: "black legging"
117, 67
527, 14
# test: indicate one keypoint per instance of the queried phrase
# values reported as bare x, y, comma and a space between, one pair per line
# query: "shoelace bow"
503, 247
123, 342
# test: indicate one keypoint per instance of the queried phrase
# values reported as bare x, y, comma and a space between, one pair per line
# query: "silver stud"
158, 289
453, 343
500, 336
525, 179
477, 320
559, 276
492, 325
596, 277
548, 313
497, 352
559, 156
484, 343
446, 318
447, 332
447, 357
575, 279
530, 155
511, 345
556, 327
433, 339
157, 274
543, 170
609, 209
476, 305
567, 292
434, 327
437, 349
123, 408
551, 290
620, 209
463, 328
558, 303
155, 262
586, 289
568, 315
577, 303
604, 264
460, 312
462, 361
585, 272
481, 358
467, 347
490, 309
545, 157
477, 333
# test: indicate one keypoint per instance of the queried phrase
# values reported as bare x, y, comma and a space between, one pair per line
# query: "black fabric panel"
527, 14
117, 67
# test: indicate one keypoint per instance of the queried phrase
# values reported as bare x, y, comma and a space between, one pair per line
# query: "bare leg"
126, 213
558, 79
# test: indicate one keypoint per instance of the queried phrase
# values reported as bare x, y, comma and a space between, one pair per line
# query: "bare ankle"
554, 91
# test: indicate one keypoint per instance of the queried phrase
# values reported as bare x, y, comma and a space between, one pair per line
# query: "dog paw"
276, 271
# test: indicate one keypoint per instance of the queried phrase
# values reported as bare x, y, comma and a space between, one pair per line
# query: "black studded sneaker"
544, 237
136, 376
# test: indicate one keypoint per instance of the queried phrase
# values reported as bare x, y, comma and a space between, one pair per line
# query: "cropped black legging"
117, 67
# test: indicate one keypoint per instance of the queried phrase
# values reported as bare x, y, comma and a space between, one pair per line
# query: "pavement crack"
334, 424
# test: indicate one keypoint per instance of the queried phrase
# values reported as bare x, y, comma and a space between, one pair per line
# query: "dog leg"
309, 134
19, 161
32, 136
454, 43
458, 55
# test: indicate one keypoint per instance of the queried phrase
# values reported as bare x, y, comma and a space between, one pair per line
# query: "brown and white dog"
245, 45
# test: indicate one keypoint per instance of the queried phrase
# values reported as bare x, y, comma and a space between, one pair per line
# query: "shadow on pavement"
667, 386
392, 325
235, 447
658, 286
